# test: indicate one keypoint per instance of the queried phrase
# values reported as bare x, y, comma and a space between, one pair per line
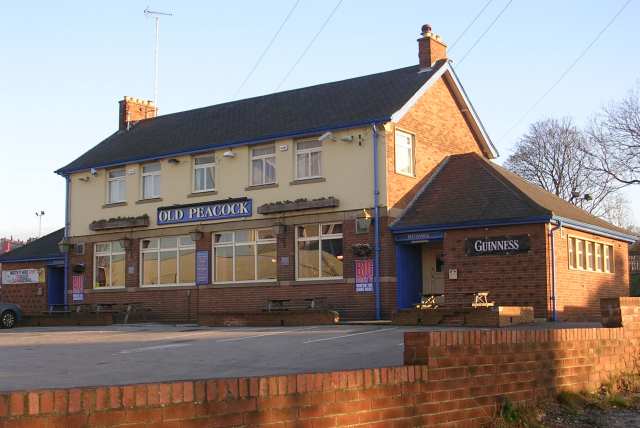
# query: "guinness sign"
497, 245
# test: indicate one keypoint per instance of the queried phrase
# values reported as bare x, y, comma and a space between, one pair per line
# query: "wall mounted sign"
77, 285
202, 267
364, 276
23, 276
497, 245
417, 237
218, 210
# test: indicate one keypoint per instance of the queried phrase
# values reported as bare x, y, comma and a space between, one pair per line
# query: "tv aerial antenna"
156, 15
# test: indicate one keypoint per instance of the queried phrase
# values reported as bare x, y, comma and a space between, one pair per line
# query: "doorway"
55, 285
432, 270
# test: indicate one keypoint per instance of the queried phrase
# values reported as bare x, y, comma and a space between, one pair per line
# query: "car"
10, 314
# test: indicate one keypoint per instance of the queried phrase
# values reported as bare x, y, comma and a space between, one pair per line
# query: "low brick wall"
70, 319
273, 318
452, 379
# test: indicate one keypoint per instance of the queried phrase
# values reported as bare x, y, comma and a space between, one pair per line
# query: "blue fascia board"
207, 148
32, 259
597, 230
471, 224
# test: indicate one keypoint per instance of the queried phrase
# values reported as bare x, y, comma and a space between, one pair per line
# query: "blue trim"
471, 224
67, 225
414, 237
594, 229
209, 147
32, 259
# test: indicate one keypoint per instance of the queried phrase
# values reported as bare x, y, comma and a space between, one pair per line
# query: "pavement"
62, 357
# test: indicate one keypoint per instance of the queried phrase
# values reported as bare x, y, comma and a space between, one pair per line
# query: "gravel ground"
592, 417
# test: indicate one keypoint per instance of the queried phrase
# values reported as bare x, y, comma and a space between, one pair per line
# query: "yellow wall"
347, 168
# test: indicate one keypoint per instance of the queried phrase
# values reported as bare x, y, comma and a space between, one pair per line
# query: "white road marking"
270, 333
350, 335
153, 348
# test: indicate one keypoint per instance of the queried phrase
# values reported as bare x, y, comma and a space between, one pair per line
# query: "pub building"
365, 194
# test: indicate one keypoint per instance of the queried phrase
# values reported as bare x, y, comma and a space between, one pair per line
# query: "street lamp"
39, 215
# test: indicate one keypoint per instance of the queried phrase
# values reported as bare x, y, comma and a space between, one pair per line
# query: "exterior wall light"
65, 246
229, 154
174, 161
196, 235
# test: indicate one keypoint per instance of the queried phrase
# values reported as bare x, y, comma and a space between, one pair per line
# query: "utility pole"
156, 15
39, 214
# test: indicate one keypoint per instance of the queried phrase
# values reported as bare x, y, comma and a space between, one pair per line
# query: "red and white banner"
77, 284
364, 276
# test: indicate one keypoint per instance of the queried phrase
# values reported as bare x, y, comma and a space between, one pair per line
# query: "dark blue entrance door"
55, 285
409, 274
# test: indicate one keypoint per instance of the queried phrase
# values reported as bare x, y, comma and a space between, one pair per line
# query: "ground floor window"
169, 260
244, 256
319, 251
109, 264
590, 255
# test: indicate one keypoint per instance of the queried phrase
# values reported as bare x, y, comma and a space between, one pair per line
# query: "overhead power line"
485, 32
567, 70
306, 49
266, 49
473, 21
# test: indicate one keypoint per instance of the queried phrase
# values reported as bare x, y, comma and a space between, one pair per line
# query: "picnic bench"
430, 301
295, 304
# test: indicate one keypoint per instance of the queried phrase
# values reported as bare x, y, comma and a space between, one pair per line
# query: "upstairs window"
263, 165
116, 190
204, 169
151, 180
308, 159
109, 265
404, 153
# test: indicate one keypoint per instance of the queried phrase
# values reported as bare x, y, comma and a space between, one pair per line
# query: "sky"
64, 65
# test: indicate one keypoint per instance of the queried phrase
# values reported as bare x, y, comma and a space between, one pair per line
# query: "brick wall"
440, 130
515, 280
579, 292
32, 298
181, 303
452, 378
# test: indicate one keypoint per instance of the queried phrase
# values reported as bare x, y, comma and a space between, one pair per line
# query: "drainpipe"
554, 313
66, 235
376, 222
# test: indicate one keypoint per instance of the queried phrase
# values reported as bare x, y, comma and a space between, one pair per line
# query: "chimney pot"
133, 110
430, 48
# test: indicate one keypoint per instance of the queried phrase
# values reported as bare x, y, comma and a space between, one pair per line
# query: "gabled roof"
45, 248
470, 191
295, 113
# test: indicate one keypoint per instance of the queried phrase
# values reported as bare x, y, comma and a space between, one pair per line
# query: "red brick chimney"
430, 48
133, 110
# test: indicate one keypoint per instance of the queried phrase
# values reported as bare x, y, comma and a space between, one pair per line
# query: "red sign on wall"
77, 283
364, 276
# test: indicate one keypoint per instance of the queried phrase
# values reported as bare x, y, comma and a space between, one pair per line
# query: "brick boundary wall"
455, 379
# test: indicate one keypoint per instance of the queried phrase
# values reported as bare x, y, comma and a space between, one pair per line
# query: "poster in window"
77, 285
364, 276
202, 267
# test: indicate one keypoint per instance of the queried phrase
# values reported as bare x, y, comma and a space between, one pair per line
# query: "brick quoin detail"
452, 379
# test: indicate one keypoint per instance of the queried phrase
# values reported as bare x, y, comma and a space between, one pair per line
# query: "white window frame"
205, 166
263, 160
318, 238
233, 244
143, 175
400, 143
110, 254
158, 251
599, 251
120, 181
307, 153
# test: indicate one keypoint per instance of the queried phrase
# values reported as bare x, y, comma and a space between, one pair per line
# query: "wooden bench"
481, 300
429, 301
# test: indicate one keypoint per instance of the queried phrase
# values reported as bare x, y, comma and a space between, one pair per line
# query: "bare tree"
615, 139
552, 154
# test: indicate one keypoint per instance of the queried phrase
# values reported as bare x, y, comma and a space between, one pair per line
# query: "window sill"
106, 289
148, 201
190, 286
316, 281
198, 194
242, 284
307, 181
404, 174
261, 186
115, 204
